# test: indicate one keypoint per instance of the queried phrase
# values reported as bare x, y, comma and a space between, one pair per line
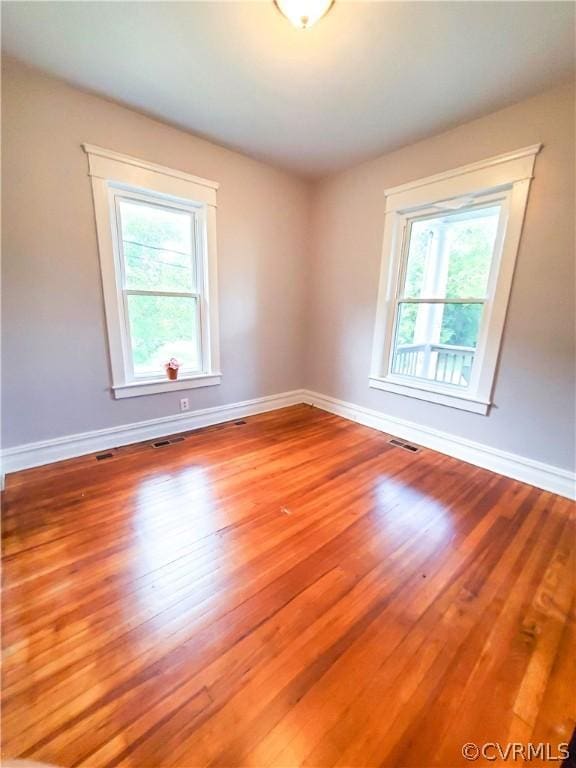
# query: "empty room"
288, 383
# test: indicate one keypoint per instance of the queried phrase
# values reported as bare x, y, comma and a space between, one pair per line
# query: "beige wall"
55, 362
533, 414
298, 272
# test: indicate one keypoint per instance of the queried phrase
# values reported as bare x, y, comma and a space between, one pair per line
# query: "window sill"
462, 402
137, 388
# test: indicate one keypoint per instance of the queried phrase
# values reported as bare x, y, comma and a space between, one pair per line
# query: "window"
156, 234
450, 245
444, 289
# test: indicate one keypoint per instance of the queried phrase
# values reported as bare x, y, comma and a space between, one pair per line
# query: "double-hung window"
450, 245
156, 234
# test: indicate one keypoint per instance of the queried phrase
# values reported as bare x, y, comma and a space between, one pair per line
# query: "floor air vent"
239, 423
169, 441
405, 446
101, 456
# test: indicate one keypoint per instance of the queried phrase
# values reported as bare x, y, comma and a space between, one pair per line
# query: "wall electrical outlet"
184, 404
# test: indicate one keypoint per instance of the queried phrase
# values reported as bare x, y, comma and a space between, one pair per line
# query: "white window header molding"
488, 175
107, 164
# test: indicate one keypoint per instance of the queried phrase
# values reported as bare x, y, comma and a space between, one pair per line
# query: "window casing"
450, 245
157, 241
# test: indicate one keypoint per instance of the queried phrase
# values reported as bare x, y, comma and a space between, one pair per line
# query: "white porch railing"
444, 363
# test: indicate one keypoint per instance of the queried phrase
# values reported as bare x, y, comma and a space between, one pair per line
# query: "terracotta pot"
172, 373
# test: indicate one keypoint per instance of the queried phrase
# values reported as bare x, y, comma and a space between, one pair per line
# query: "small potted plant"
171, 368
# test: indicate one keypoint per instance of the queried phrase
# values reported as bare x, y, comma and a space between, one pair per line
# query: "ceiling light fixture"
303, 13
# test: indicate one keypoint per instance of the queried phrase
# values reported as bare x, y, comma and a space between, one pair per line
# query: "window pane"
157, 244
449, 256
153, 270
162, 327
436, 342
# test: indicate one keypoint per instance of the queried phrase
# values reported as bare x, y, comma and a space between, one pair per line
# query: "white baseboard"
70, 446
546, 476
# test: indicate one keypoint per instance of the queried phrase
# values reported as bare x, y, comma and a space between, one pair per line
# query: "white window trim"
112, 172
506, 178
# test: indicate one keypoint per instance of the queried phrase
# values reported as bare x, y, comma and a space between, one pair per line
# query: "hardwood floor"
288, 591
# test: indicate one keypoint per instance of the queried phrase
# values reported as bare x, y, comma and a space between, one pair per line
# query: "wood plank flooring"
288, 591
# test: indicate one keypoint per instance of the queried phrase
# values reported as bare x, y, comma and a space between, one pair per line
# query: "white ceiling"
370, 77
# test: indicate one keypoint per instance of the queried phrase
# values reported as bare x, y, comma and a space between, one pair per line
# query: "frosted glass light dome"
303, 13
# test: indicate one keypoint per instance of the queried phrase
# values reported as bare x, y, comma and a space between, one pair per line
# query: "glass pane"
157, 245
162, 327
154, 270
449, 256
437, 342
